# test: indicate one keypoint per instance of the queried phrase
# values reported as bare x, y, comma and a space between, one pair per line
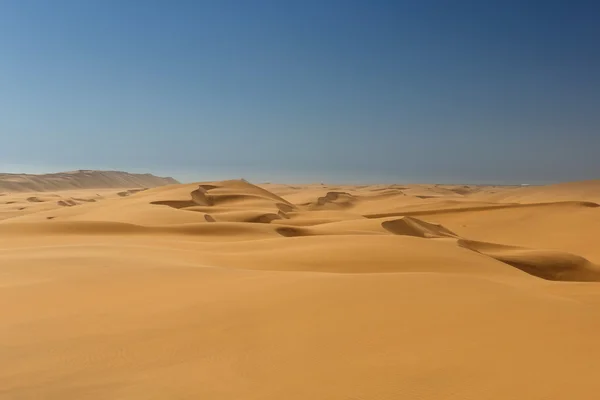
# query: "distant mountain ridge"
81, 179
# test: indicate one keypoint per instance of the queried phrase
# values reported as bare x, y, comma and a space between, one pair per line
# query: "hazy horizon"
351, 92
270, 176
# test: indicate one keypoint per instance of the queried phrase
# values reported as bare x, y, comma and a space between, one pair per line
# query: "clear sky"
303, 90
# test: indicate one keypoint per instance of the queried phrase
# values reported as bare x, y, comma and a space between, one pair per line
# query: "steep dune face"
416, 227
229, 290
547, 264
82, 179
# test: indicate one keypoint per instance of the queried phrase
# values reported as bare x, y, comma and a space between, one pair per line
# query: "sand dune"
570, 191
229, 290
546, 264
82, 179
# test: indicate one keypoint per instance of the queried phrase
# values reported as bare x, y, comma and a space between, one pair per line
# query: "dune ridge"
81, 179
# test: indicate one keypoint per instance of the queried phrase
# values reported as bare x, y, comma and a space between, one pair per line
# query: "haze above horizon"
338, 91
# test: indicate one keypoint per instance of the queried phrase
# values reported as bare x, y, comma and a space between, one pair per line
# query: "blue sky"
286, 90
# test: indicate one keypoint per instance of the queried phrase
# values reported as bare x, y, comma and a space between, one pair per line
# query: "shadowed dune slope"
547, 264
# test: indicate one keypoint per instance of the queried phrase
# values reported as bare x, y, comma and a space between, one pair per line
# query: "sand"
229, 290
80, 179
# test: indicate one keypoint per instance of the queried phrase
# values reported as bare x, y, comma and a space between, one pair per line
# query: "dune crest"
229, 202
82, 179
416, 227
547, 264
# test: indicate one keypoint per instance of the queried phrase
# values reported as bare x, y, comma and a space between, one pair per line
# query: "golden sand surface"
229, 290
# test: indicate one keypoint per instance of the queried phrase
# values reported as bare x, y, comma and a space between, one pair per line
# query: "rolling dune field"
231, 290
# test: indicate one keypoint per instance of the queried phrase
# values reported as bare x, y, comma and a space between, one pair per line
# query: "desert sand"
230, 290
80, 179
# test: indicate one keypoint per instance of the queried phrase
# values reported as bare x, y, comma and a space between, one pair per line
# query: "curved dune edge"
228, 201
545, 264
464, 209
416, 227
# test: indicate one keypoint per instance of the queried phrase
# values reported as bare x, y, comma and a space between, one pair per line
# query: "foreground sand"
226, 290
